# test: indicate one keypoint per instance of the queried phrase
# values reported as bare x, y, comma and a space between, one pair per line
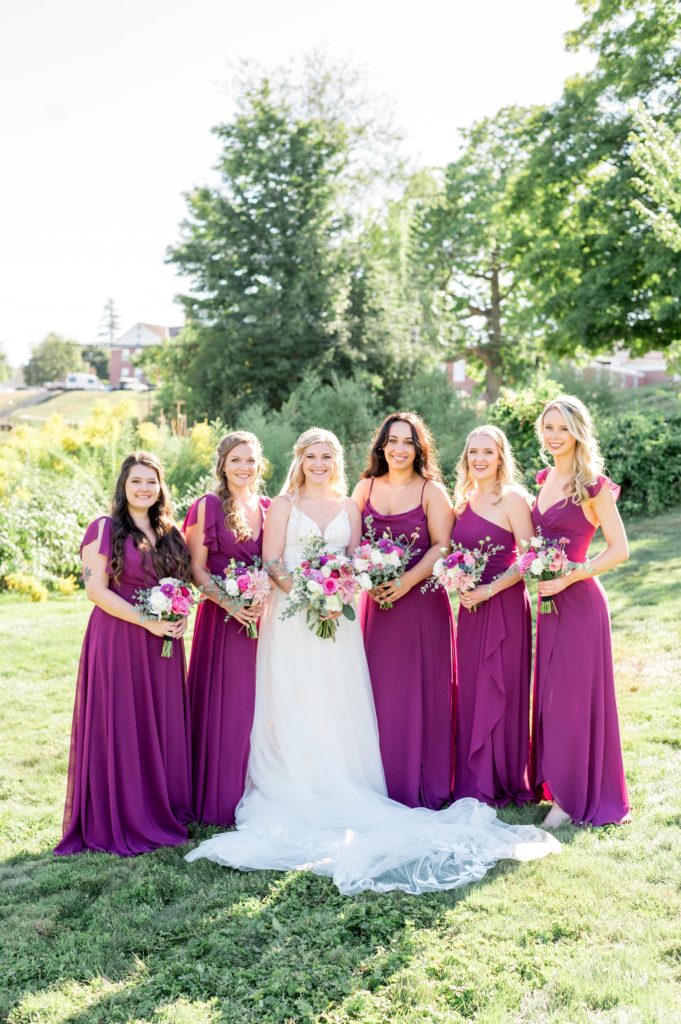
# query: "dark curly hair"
170, 556
425, 461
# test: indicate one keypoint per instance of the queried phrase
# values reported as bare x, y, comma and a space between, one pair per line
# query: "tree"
52, 359
469, 242
109, 323
656, 156
97, 357
5, 368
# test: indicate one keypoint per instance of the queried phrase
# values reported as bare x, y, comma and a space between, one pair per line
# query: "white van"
82, 382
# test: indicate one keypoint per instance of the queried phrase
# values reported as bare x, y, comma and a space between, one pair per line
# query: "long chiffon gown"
315, 797
494, 655
411, 655
221, 680
129, 784
576, 752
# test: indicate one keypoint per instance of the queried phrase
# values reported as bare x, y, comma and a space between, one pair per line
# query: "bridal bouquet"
384, 559
546, 559
169, 601
242, 586
463, 568
324, 583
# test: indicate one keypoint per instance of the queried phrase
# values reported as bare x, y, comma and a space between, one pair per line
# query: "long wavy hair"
170, 556
426, 462
507, 470
587, 462
295, 478
235, 518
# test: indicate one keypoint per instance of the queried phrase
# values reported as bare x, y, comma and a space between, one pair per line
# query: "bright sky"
106, 110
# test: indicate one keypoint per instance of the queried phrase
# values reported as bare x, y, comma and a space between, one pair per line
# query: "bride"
315, 796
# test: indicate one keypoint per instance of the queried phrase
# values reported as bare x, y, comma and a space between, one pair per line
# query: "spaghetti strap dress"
493, 655
129, 781
221, 678
411, 656
576, 751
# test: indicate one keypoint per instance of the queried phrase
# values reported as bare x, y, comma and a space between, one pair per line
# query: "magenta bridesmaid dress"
576, 752
129, 785
493, 659
221, 679
410, 651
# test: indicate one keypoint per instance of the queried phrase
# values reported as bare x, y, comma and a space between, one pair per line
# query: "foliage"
23, 583
5, 368
656, 155
52, 359
97, 357
591, 935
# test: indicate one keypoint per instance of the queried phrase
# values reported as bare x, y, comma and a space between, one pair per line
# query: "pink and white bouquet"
384, 559
322, 584
463, 568
169, 601
546, 559
242, 586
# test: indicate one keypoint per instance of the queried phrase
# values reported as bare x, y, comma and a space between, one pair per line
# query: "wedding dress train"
315, 796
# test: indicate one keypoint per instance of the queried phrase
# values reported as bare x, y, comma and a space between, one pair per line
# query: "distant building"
620, 370
124, 349
458, 376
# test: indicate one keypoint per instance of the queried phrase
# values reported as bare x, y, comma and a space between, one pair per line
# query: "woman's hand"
244, 616
392, 591
330, 616
164, 628
549, 588
471, 598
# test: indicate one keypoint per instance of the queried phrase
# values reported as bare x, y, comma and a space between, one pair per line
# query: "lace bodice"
301, 527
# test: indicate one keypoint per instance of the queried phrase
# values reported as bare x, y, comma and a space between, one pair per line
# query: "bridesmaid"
129, 786
220, 526
576, 754
494, 645
410, 647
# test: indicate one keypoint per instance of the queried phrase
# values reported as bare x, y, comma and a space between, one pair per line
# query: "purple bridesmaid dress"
493, 657
576, 753
129, 786
221, 680
410, 651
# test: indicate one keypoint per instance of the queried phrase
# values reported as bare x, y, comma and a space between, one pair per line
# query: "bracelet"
489, 591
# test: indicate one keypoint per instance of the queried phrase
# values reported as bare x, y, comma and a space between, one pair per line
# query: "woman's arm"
274, 542
440, 518
616, 551
198, 553
360, 493
97, 589
355, 525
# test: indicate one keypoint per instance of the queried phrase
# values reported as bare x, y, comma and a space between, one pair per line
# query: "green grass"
593, 935
76, 406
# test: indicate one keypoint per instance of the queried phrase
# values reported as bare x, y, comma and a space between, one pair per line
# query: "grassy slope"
76, 406
592, 935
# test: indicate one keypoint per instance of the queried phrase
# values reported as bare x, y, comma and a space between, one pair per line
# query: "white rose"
378, 558
392, 559
232, 588
439, 567
326, 571
361, 564
167, 579
159, 603
314, 588
333, 603
535, 542
536, 567
364, 580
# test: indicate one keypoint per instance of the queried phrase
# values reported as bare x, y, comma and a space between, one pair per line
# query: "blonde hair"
295, 478
588, 461
235, 518
507, 471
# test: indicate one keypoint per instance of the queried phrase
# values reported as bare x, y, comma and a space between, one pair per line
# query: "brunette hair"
507, 470
295, 478
235, 518
587, 461
425, 462
170, 556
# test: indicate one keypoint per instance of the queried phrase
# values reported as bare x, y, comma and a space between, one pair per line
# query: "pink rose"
180, 606
468, 560
243, 583
330, 585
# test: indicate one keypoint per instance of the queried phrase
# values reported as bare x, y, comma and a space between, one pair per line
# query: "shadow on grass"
264, 946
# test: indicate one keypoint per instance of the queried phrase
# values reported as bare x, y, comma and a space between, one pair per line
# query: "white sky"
106, 110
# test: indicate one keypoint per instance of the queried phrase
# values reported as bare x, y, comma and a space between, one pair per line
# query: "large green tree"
52, 359
259, 252
5, 368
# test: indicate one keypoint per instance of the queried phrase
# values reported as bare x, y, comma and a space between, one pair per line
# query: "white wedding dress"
315, 797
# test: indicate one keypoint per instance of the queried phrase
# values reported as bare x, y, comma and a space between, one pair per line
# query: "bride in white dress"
315, 796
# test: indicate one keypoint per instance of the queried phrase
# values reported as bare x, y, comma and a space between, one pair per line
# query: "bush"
23, 583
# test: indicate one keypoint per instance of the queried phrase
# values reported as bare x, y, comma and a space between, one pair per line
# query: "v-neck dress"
493, 655
221, 678
576, 751
410, 651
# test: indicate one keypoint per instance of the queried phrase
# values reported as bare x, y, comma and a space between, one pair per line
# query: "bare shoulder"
281, 506
436, 492
352, 508
361, 491
517, 498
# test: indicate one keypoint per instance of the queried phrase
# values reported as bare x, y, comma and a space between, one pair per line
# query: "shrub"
24, 583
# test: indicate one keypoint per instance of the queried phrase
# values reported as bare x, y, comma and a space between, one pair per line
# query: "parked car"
132, 384
83, 382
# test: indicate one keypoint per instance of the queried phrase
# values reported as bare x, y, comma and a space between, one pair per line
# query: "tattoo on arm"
87, 573
512, 570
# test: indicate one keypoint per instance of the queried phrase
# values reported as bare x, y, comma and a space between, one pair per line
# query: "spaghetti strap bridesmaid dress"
493, 656
410, 651
576, 752
221, 679
129, 784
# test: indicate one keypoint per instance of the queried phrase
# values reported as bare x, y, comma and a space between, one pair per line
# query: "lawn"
593, 935
76, 406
